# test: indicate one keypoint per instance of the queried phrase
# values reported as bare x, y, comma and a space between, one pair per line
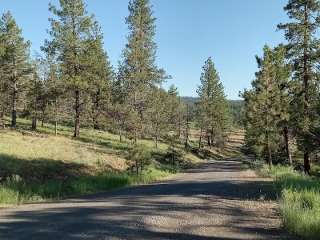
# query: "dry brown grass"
32, 147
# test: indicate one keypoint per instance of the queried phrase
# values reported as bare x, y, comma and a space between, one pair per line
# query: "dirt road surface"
214, 201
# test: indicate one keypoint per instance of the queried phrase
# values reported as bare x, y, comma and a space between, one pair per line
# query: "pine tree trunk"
135, 127
211, 136
269, 157
156, 141
200, 138
43, 115
306, 115
286, 140
95, 110
179, 120
179, 126
77, 117
306, 90
269, 150
14, 107
137, 168
135, 136
120, 135
173, 160
34, 124
307, 166
34, 115
56, 117
2, 123
56, 128
186, 144
95, 124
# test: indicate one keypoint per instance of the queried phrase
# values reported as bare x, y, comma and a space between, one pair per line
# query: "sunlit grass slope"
38, 165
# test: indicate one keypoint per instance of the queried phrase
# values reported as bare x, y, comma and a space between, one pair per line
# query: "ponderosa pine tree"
118, 112
53, 86
303, 48
175, 111
55, 91
123, 116
140, 71
35, 97
201, 122
187, 121
180, 121
158, 115
70, 34
267, 105
283, 97
14, 63
101, 75
213, 110
3, 87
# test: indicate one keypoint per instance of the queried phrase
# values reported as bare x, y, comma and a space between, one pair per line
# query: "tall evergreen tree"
35, 97
53, 88
157, 114
213, 114
118, 111
14, 62
139, 67
175, 110
303, 47
283, 97
101, 75
70, 34
3, 88
267, 105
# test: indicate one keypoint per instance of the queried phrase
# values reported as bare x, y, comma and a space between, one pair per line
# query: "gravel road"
214, 201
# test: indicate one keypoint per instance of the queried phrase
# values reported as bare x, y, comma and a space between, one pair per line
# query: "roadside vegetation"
299, 197
281, 118
17, 191
37, 166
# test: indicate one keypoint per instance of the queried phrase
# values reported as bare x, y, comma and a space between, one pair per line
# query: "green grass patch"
299, 201
17, 191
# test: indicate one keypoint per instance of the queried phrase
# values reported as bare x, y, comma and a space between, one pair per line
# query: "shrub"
139, 158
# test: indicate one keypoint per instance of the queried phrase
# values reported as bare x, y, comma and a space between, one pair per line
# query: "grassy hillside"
37, 166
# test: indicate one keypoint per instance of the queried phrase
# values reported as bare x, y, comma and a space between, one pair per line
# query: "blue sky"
232, 32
